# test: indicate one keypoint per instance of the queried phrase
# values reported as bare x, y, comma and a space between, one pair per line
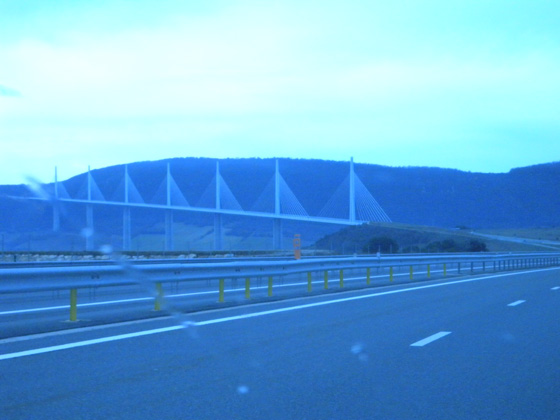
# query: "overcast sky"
472, 85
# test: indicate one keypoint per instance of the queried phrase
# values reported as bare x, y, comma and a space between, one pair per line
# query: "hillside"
400, 238
522, 198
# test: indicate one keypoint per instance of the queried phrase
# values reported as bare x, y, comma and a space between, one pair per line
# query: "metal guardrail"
122, 273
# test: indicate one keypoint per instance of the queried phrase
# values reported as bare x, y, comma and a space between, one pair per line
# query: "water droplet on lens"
242, 389
106, 249
87, 232
357, 348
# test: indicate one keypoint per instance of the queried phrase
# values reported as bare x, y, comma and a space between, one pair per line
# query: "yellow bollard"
309, 284
428, 270
326, 277
73, 305
221, 296
411, 273
368, 276
159, 297
391, 274
247, 288
270, 286
341, 278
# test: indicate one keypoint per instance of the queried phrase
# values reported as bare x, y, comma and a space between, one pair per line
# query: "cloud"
382, 82
6, 91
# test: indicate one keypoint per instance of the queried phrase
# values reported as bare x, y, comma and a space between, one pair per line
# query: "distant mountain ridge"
522, 198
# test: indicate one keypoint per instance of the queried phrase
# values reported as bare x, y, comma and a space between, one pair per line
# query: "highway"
472, 347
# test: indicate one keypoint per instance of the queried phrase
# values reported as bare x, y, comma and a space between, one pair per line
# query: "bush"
477, 246
383, 244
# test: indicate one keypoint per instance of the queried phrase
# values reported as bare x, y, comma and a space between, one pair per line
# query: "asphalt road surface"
477, 347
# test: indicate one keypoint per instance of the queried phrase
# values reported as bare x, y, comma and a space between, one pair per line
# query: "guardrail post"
368, 276
411, 273
159, 297
73, 305
444, 270
391, 274
221, 288
429, 274
326, 279
341, 278
247, 288
270, 286
309, 283
459, 268
483, 265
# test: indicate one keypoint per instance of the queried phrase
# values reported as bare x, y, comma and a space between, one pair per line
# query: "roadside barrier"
75, 277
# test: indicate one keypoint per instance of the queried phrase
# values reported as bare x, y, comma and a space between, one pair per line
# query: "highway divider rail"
73, 276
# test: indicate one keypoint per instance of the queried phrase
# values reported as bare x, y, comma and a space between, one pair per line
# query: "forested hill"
523, 197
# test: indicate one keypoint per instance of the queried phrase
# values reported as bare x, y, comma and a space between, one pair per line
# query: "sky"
463, 84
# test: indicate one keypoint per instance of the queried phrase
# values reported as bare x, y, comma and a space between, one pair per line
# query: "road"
477, 347
530, 241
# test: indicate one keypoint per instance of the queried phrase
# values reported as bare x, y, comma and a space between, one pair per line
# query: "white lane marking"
78, 330
252, 315
86, 343
517, 302
556, 288
430, 339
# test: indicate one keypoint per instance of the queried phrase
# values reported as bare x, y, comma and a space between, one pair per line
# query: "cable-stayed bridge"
350, 204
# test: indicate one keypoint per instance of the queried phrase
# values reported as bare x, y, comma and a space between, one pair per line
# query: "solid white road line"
86, 342
430, 339
517, 302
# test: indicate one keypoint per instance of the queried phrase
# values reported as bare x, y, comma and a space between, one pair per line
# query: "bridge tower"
89, 214
277, 221
126, 213
169, 243
56, 208
352, 194
218, 219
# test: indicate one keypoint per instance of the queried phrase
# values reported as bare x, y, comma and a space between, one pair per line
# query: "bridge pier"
169, 244
218, 232
89, 228
126, 229
56, 209
277, 234
56, 217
